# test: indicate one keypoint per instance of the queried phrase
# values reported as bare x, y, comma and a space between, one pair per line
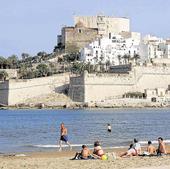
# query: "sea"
39, 130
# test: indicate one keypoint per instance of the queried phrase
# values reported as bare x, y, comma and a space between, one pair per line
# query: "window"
79, 31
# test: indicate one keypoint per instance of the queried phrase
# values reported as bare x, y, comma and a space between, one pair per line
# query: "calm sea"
38, 130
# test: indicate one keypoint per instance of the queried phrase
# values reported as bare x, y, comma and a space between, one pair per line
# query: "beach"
29, 138
61, 160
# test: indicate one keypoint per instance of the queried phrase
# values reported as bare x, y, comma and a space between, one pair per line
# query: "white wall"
104, 86
20, 90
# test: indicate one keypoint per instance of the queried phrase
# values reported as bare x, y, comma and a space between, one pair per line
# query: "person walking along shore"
63, 136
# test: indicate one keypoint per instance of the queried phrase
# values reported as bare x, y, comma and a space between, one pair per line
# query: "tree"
2, 62
71, 57
42, 55
42, 70
25, 56
13, 61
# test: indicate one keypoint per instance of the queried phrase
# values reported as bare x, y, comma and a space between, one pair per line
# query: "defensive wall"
17, 91
12, 73
100, 87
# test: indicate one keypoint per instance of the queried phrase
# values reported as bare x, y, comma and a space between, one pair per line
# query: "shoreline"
80, 107
68, 153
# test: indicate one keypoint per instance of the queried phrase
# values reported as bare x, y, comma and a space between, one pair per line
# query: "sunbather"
131, 152
137, 146
161, 147
98, 151
84, 154
151, 150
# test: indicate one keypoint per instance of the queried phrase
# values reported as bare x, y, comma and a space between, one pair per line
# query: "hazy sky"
32, 25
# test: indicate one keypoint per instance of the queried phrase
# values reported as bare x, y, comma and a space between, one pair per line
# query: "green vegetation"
134, 95
3, 75
44, 64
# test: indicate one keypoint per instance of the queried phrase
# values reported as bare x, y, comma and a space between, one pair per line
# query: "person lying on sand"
84, 154
131, 152
161, 147
98, 151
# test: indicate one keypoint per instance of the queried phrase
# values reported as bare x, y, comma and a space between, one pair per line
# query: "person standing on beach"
63, 136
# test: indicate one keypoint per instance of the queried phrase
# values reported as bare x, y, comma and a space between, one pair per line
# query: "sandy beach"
61, 160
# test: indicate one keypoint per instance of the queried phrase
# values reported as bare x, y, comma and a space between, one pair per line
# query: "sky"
30, 26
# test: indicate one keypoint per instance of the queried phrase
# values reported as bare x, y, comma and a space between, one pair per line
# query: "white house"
154, 48
113, 49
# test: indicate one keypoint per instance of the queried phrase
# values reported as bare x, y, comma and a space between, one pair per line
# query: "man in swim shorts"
63, 136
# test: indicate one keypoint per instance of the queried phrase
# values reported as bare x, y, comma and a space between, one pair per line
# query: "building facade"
113, 49
75, 38
155, 48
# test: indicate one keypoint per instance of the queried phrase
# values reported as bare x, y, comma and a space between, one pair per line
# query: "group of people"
135, 149
85, 153
98, 152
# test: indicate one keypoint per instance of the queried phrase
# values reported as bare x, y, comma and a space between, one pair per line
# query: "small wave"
153, 142
57, 146
116, 147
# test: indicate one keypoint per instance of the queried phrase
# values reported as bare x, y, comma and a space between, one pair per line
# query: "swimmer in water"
109, 128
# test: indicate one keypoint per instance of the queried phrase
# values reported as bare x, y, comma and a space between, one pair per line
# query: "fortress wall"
76, 89
98, 87
12, 73
4, 93
21, 90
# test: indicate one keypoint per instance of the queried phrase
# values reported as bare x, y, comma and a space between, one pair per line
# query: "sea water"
38, 130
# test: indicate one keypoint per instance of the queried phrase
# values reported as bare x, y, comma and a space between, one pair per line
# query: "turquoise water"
38, 130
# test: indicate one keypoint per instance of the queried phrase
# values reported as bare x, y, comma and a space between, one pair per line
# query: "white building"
113, 49
154, 48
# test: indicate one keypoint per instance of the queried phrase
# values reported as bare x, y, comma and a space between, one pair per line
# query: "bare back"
63, 131
151, 149
162, 148
85, 152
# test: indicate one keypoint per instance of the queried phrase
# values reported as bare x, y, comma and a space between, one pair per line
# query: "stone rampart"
99, 87
18, 91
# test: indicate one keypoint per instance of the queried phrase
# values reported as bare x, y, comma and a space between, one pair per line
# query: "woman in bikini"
98, 151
